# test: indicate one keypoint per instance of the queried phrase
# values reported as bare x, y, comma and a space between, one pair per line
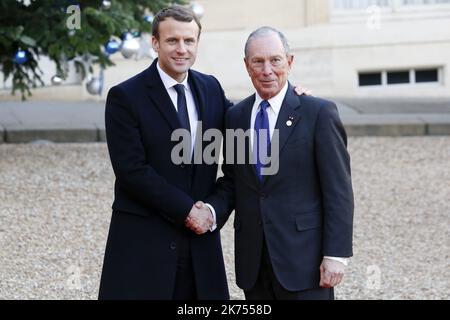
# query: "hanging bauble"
106, 4
20, 57
149, 18
146, 50
129, 48
56, 80
197, 9
26, 3
94, 86
101, 78
112, 46
126, 36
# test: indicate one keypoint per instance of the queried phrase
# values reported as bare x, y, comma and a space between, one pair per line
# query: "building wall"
333, 64
330, 46
327, 58
337, 44
249, 14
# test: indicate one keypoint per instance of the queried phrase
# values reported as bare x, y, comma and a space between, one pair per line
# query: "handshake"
200, 219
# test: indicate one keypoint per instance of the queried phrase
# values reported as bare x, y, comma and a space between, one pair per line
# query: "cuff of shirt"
213, 213
341, 260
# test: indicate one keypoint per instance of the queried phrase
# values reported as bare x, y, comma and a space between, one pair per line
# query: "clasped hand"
200, 218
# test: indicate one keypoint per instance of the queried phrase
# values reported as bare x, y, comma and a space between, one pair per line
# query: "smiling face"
268, 65
176, 47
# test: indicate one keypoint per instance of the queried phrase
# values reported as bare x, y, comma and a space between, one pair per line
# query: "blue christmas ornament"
20, 57
112, 46
148, 18
126, 36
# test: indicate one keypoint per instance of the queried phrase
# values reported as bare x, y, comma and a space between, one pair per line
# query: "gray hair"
264, 31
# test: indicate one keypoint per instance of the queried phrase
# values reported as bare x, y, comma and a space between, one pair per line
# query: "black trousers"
267, 287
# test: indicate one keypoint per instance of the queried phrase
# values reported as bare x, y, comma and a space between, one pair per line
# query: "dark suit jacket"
305, 211
153, 196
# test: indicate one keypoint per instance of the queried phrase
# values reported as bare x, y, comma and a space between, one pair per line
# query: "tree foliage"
40, 28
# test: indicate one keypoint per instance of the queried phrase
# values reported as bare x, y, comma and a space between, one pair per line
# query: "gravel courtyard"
55, 209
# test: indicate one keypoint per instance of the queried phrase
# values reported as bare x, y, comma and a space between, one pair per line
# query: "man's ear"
247, 66
155, 44
290, 60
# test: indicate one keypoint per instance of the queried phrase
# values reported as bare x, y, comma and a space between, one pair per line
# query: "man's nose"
181, 47
267, 68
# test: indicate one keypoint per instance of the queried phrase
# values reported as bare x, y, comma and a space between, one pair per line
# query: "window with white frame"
401, 76
423, 2
357, 11
358, 4
349, 5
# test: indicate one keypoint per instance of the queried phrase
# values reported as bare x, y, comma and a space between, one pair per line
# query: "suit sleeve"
128, 160
222, 199
333, 162
226, 103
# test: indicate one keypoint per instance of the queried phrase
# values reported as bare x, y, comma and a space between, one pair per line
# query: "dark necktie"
261, 145
182, 107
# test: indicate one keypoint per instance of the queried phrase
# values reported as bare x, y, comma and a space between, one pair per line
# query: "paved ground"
55, 211
84, 121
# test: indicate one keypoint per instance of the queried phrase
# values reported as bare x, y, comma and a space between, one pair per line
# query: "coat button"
173, 246
263, 196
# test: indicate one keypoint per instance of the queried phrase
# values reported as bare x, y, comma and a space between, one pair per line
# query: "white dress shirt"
272, 111
168, 83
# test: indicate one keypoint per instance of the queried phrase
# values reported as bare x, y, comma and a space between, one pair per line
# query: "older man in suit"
293, 227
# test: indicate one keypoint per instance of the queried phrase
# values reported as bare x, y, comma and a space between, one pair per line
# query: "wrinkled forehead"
266, 46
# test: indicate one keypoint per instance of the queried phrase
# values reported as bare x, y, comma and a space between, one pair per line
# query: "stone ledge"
436, 129
437, 124
101, 132
2, 134
385, 125
19, 133
391, 130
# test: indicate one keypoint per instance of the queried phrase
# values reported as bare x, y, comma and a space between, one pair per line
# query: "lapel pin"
289, 123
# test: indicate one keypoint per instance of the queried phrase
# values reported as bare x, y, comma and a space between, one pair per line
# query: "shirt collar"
168, 81
276, 101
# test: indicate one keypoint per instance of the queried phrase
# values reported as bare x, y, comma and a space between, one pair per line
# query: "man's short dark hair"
178, 13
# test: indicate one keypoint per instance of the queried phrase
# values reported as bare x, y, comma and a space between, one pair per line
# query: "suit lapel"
245, 124
198, 90
160, 98
288, 118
